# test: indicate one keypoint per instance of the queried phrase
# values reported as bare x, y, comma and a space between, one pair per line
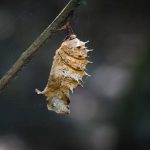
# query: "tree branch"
34, 47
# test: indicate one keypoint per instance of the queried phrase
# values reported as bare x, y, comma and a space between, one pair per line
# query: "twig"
34, 47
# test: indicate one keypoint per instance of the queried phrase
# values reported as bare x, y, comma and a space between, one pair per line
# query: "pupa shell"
67, 71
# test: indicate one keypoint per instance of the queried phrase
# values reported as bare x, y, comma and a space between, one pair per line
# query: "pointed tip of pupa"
71, 89
81, 84
86, 42
89, 50
87, 74
89, 62
38, 91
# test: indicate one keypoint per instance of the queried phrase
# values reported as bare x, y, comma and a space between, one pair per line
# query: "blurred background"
112, 111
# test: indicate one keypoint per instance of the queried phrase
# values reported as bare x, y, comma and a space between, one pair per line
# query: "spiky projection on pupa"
66, 73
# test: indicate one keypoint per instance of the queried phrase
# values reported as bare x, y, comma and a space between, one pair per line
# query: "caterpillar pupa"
66, 74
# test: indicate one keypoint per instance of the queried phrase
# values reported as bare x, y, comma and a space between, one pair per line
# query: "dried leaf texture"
66, 73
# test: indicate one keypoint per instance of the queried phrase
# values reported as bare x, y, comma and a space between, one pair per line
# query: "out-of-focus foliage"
112, 111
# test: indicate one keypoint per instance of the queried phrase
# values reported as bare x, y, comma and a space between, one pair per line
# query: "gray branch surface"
34, 47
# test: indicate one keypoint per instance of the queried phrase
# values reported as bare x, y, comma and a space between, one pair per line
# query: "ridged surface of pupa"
66, 73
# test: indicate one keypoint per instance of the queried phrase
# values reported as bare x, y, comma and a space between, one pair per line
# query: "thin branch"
34, 47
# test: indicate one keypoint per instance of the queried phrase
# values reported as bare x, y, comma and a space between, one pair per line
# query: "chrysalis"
66, 73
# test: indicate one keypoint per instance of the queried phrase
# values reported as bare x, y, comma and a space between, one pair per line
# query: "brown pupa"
66, 73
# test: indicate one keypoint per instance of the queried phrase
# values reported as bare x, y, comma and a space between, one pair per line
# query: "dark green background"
112, 111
